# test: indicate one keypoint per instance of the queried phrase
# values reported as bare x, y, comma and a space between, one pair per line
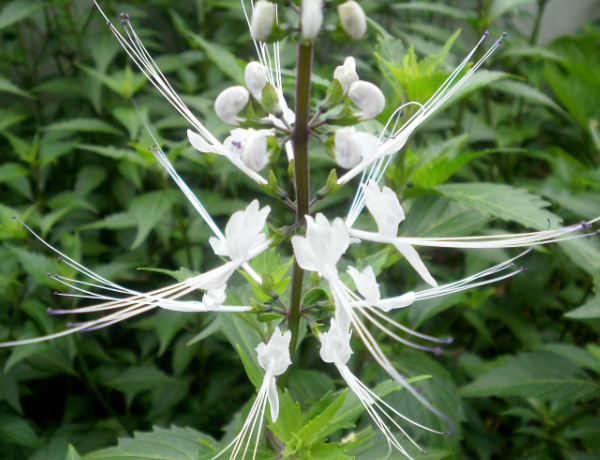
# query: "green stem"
538, 20
300, 138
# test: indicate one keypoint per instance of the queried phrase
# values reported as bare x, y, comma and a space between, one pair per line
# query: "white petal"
415, 260
200, 144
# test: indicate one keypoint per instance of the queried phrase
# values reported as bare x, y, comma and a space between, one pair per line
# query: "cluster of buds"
352, 22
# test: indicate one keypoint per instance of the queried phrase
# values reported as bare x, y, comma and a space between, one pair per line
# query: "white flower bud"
256, 78
312, 18
346, 74
250, 145
353, 19
368, 98
263, 19
347, 148
230, 102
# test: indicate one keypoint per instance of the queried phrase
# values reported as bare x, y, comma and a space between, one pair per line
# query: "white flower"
366, 284
231, 102
263, 19
274, 357
250, 145
385, 208
323, 245
312, 18
243, 233
335, 344
346, 74
255, 76
347, 147
353, 19
214, 298
352, 146
368, 98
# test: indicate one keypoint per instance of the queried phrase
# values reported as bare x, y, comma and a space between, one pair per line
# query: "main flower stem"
300, 138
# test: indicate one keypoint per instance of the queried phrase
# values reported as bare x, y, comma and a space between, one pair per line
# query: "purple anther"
108, 23
447, 433
56, 293
486, 33
424, 452
504, 34
49, 311
437, 351
60, 259
522, 268
598, 232
448, 340
585, 225
49, 274
14, 217
70, 325
417, 389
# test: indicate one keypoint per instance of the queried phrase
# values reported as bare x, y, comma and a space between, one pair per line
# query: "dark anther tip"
447, 433
60, 259
49, 274
598, 232
449, 340
504, 34
522, 268
55, 292
14, 217
108, 23
124, 16
70, 325
49, 311
437, 351
424, 452
486, 33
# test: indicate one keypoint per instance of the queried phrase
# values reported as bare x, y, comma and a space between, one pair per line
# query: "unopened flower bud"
368, 98
263, 19
250, 145
230, 102
312, 18
347, 148
256, 78
346, 74
352, 19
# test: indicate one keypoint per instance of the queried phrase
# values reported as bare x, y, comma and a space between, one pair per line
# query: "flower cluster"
263, 124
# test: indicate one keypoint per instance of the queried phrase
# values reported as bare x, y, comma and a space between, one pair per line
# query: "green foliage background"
518, 146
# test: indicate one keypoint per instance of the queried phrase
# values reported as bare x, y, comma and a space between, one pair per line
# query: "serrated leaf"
160, 444
503, 201
84, 125
290, 420
16, 11
72, 454
589, 310
317, 428
15, 430
149, 210
500, 7
539, 374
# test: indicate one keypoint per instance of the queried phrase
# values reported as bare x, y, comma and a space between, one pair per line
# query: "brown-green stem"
300, 138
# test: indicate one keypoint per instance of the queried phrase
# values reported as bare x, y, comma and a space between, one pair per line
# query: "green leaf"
246, 338
539, 374
527, 92
290, 420
11, 171
503, 201
9, 87
166, 324
72, 454
308, 386
15, 430
9, 392
84, 125
114, 153
16, 11
589, 310
149, 210
224, 59
462, 14
137, 379
500, 7
161, 444
318, 427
